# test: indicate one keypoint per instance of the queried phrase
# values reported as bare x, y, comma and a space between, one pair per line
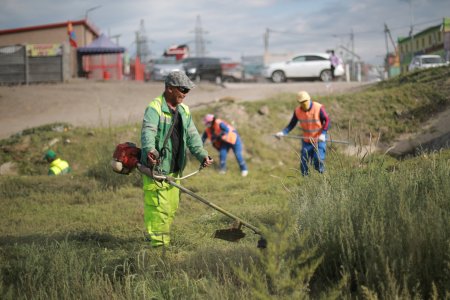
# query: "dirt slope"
88, 103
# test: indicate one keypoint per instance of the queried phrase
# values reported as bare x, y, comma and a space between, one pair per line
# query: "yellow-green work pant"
160, 205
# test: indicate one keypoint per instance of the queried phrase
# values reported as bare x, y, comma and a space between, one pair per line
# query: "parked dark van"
203, 68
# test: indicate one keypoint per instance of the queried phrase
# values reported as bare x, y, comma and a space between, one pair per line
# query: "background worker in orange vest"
314, 122
224, 137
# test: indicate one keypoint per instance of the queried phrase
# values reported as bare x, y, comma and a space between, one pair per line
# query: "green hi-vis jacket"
156, 125
58, 166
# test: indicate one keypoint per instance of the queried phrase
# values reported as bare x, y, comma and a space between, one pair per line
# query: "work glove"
280, 134
322, 137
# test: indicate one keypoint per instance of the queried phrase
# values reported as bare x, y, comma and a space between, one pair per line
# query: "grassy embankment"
370, 227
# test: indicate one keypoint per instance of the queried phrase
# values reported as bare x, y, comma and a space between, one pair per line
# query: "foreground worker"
167, 132
57, 165
224, 137
314, 122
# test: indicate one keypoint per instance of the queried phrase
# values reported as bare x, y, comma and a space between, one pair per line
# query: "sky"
232, 29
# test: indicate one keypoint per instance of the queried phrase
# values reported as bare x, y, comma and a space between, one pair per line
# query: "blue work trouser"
237, 149
315, 153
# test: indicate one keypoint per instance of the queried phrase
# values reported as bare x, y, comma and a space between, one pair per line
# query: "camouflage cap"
179, 78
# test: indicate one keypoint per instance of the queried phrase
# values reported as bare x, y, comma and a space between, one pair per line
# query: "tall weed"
388, 230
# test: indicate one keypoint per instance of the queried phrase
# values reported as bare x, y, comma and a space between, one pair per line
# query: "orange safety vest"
309, 121
214, 133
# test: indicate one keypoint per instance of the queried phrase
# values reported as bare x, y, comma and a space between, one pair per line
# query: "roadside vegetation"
371, 227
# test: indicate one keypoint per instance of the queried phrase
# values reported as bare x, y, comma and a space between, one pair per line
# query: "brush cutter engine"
125, 158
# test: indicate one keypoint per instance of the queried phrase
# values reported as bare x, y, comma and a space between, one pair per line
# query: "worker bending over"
57, 165
224, 137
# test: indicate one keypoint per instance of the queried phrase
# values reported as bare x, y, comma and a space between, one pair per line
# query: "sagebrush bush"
389, 230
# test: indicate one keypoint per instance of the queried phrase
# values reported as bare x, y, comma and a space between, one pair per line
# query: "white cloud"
237, 27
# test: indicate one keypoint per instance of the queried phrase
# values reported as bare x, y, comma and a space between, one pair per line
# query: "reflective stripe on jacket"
215, 133
58, 166
309, 121
155, 127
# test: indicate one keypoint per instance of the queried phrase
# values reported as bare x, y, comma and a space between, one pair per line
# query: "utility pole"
89, 10
352, 43
138, 45
387, 34
116, 36
266, 45
266, 40
411, 31
200, 50
386, 61
86, 20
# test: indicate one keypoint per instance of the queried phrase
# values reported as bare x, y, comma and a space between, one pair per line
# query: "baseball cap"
179, 79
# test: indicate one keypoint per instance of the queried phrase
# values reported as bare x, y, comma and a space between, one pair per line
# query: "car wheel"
325, 75
228, 79
278, 76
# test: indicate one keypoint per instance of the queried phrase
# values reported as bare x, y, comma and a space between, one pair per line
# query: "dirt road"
88, 103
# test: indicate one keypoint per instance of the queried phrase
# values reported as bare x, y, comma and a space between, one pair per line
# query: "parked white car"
426, 61
306, 65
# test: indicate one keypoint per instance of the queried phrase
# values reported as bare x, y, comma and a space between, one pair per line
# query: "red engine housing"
128, 154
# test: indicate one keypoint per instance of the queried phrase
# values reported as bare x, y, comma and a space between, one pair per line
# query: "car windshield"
187, 60
431, 60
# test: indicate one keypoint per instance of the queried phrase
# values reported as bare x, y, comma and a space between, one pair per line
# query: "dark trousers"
332, 71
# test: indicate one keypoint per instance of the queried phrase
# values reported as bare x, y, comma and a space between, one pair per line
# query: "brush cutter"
121, 160
300, 137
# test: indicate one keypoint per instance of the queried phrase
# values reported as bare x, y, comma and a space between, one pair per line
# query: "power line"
381, 31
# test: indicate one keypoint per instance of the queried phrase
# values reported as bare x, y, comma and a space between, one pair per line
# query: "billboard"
44, 50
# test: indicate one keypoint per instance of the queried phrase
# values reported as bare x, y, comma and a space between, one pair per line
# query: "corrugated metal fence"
21, 64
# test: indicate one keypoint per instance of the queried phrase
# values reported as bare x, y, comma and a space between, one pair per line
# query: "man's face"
304, 105
176, 95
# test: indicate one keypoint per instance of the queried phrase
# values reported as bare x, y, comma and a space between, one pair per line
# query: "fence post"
27, 67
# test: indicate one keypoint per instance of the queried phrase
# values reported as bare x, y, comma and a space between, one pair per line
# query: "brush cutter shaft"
299, 137
169, 180
192, 194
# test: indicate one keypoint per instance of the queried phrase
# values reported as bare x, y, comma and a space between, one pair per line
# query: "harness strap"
166, 139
